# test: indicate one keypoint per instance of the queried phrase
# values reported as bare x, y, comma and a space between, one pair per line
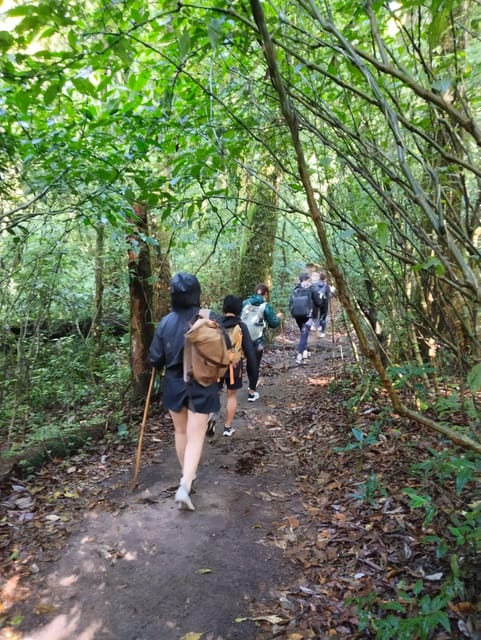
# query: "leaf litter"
356, 538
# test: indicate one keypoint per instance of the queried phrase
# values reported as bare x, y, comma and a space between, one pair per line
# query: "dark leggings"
259, 348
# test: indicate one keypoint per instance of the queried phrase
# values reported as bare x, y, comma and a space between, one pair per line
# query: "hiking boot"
182, 499
299, 358
228, 431
252, 397
210, 433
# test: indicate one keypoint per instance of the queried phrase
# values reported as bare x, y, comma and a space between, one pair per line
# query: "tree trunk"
258, 251
162, 271
141, 295
96, 330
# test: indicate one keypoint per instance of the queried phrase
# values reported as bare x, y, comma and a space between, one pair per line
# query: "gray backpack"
253, 316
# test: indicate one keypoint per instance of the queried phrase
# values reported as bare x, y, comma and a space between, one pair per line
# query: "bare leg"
230, 407
179, 418
196, 428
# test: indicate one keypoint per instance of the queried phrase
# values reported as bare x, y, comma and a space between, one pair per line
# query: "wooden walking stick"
142, 427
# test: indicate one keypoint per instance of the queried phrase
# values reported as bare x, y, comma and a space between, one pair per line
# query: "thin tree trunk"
96, 330
141, 295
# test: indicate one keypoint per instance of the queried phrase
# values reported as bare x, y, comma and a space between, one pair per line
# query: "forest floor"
296, 523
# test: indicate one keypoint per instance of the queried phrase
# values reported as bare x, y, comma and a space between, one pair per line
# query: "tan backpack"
209, 351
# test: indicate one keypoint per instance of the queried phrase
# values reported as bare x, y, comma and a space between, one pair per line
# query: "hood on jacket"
256, 299
184, 291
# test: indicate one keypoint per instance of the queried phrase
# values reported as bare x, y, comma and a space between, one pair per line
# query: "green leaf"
6, 40
383, 233
84, 86
50, 93
184, 44
474, 378
443, 85
214, 31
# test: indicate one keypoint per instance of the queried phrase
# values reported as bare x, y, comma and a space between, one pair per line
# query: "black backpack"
323, 291
301, 302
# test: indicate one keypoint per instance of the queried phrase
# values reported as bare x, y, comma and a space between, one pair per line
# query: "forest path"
131, 566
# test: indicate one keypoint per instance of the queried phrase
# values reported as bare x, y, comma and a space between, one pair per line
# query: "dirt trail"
142, 570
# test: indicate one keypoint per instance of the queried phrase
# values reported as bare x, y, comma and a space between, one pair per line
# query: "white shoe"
299, 358
182, 499
228, 431
305, 354
322, 334
252, 397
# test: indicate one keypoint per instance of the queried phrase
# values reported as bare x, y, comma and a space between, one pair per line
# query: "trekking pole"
133, 484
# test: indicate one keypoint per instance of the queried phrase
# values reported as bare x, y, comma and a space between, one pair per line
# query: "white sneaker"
252, 397
322, 334
299, 358
228, 431
182, 499
305, 354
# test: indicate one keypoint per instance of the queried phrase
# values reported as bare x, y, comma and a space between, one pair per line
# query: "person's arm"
156, 355
272, 319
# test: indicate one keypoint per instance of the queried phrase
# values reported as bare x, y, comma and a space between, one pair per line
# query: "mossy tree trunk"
259, 237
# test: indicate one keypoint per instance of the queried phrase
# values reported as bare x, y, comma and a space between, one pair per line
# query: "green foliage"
444, 466
361, 439
370, 491
411, 616
466, 530
417, 501
474, 378
65, 389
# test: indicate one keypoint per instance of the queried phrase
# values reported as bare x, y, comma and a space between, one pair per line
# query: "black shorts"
237, 384
177, 394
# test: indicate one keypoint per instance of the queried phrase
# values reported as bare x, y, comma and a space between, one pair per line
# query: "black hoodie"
167, 345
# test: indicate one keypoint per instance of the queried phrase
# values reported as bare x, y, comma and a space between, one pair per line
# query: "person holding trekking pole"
188, 402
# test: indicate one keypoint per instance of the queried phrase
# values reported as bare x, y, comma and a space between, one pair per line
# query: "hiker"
303, 300
319, 316
231, 309
188, 402
266, 316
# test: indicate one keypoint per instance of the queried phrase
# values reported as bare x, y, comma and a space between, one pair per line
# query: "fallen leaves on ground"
355, 537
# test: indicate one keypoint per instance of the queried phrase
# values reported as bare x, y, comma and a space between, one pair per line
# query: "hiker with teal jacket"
258, 314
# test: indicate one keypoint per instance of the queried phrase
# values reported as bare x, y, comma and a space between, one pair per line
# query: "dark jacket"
247, 345
270, 317
167, 348
315, 298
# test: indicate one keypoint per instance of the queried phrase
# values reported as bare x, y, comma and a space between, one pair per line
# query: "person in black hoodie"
188, 402
231, 309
